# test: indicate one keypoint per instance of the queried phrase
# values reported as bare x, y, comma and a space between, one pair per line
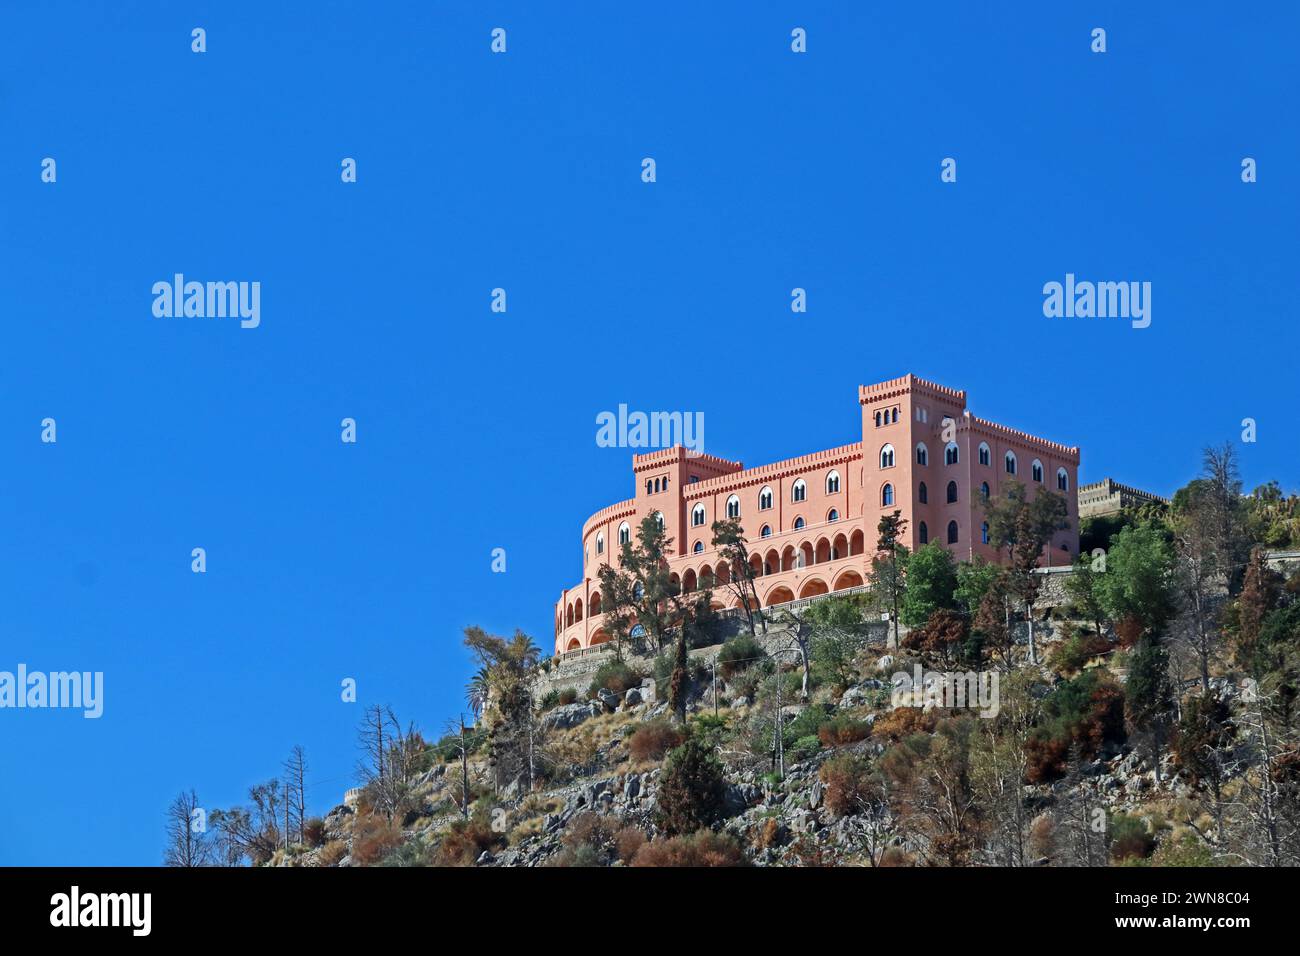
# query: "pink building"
811, 521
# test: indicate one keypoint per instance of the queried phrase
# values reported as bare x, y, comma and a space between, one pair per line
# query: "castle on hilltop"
811, 521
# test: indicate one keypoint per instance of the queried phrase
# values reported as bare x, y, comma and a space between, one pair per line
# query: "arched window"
649, 486
923, 494
697, 516
699, 547
600, 543
895, 414
950, 453
766, 532
659, 519
952, 532
624, 533
798, 523
733, 507
833, 515
984, 490
887, 494
799, 492
985, 454
952, 492
922, 454
887, 457
1036, 471
878, 422
925, 533
984, 533
638, 592
1010, 461
765, 499
1062, 479
833, 483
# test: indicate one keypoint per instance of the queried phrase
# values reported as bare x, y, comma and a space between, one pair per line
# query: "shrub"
313, 832
1070, 656
653, 739
847, 784
628, 842
332, 852
550, 700
745, 684
465, 842
568, 696
1129, 838
807, 724
738, 654
593, 840
373, 837
843, 729
1184, 850
902, 722
1206, 729
895, 856
447, 749
703, 848
1088, 710
804, 748
411, 853
691, 789
944, 635
614, 676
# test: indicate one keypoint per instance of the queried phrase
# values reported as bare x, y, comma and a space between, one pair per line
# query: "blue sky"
477, 430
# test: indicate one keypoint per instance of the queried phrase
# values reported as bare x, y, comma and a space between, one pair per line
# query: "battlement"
679, 454
1013, 434
777, 469
909, 383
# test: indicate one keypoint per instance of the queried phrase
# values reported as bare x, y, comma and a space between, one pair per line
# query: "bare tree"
1210, 541
187, 838
733, 553
390, 760
251, 832
295, 792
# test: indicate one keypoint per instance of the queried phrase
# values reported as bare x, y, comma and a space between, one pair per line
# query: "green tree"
1023, 527
1137, 588
502, 692
838, 632
889, 566
975, 579
691, 789
733, 551
642, 590
1083, 588
931, 584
